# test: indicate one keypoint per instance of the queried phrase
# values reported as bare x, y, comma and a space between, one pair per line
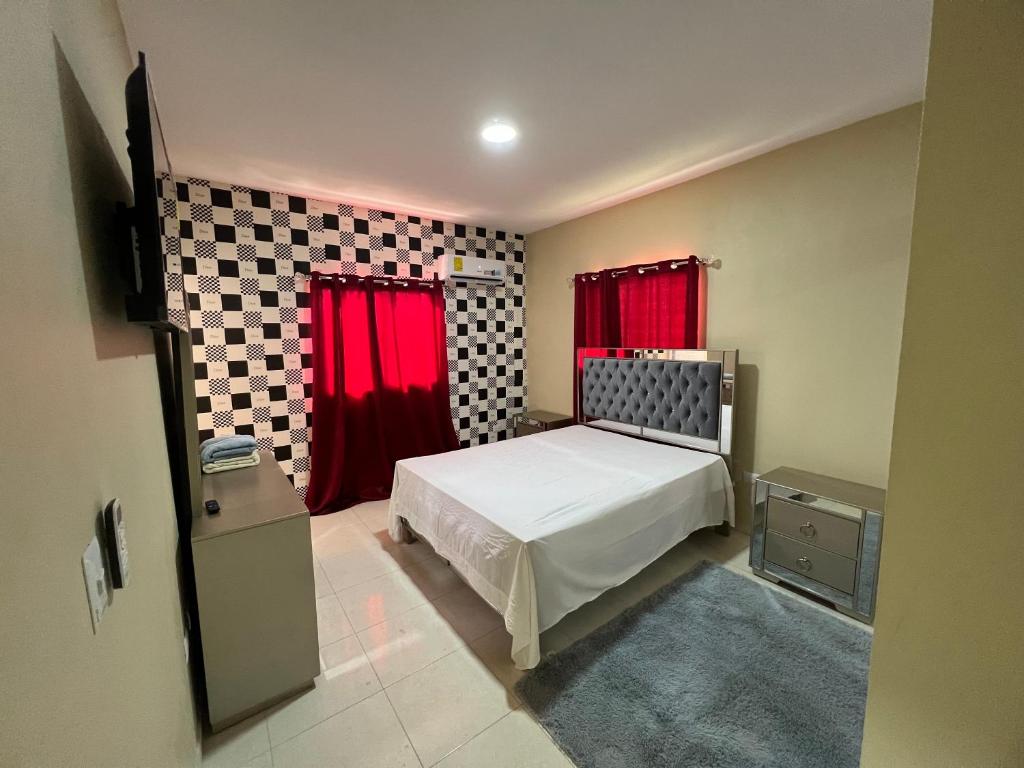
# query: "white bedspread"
540, 525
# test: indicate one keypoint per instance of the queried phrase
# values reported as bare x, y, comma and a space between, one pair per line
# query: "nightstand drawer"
531, 422
826, 567
524, 428
811, 526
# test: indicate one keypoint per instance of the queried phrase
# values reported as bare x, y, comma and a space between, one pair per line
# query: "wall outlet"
96, 588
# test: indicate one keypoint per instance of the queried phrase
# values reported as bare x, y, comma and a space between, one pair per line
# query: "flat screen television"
149, 301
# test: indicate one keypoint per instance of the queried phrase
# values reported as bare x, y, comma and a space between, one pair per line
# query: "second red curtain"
649, 307
380, 385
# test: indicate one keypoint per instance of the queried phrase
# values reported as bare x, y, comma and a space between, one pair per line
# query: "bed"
542, 524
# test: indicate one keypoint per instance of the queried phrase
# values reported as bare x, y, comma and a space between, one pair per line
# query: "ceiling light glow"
498, 132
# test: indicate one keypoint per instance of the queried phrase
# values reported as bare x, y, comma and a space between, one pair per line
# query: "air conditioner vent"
472, 269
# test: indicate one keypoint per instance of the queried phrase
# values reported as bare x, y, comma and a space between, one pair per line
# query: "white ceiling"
380, 103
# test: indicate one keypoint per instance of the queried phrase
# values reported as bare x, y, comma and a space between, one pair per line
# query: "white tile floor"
415, 668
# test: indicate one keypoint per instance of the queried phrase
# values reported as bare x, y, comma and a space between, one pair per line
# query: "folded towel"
226, 447
228, 441
231, 453
234, 460
237, 439
226, 465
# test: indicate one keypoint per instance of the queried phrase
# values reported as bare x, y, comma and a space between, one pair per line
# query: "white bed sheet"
542, 524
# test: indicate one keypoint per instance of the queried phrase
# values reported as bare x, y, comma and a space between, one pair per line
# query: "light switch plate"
95, 582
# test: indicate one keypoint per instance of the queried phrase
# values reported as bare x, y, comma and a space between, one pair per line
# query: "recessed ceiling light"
498, 132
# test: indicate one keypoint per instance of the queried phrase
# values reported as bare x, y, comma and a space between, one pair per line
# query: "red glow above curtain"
653, 306
380, 385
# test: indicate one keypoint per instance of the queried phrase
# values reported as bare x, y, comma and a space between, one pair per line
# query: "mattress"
542, 524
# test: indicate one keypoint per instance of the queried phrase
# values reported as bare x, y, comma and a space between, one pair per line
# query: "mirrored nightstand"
821, 535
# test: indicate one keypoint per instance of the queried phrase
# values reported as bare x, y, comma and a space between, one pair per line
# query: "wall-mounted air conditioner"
472, 269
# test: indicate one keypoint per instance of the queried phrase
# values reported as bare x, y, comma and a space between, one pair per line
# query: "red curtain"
380, 385
648, 306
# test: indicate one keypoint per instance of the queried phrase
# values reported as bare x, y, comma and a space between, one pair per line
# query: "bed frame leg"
408, 537
723, 529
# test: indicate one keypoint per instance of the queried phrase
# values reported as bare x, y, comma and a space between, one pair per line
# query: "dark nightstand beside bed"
532, 422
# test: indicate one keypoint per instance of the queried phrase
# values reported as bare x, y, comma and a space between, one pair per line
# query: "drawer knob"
804, 563
808, 530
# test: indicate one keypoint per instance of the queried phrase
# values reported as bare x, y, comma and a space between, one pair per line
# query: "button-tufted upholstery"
671, 395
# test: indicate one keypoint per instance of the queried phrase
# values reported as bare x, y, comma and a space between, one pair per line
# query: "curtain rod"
710, 263
404, 282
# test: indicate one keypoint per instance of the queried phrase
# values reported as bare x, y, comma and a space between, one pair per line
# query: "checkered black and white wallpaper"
235, 254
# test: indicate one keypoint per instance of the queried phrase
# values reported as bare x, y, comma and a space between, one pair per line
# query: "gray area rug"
712, 671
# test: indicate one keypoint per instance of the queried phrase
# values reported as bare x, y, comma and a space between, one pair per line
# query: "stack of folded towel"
220, 454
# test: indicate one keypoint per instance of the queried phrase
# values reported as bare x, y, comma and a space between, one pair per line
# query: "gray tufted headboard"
670, 395
677, 396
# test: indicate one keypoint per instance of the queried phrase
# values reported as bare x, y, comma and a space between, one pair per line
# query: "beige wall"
81, 418
947, 669
814, 240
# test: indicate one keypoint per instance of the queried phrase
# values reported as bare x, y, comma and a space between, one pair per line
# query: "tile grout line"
335, 714
387, 698
401, 724
397, 570
383, 689
508, 714
380, 575
344, 709
487, 727
426, 600
431, 602
329, 717
463, 644
259, 716
399, 717
705, 553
